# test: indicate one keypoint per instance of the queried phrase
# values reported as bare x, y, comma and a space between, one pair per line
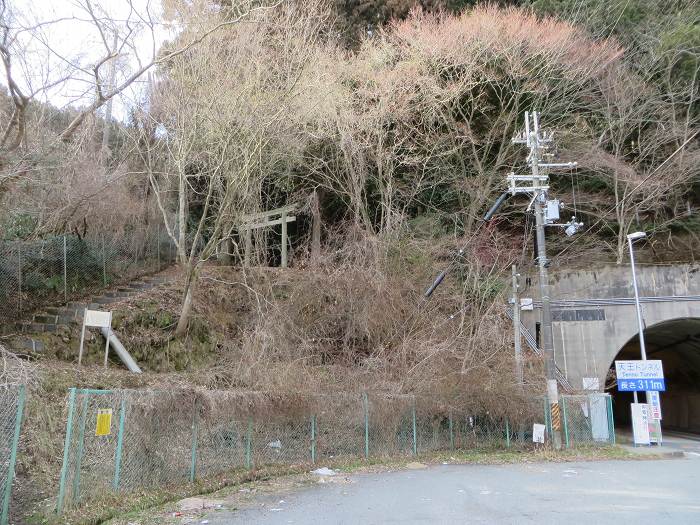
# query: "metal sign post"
97, 319
643, 376
640, 376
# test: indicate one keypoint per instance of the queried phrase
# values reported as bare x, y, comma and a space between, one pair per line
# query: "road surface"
619, 492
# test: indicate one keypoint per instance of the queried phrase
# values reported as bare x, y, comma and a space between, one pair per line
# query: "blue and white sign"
640, 376
654, 402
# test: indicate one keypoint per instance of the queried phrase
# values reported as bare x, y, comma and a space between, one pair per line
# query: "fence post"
313, 439
611, 420
19, 411
104, 262
65, 268
415, 437
66, 451
19, 275
566, 423
120, 444
81, 444
248, 443
452, 435
195, 432
507, 434
365, 405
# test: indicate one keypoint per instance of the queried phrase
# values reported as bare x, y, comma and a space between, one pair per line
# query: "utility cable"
612, 208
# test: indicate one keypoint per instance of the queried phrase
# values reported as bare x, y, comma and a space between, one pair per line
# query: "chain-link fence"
53, 270
587, 420
123, 440
11, 410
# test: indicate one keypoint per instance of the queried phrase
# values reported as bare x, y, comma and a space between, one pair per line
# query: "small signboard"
654, 400
655, 431
538, 431
640, 423
591, 383
640, 376
97, 318
104, 422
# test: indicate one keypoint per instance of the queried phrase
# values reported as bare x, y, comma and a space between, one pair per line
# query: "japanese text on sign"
104, 422
651, 369
641, 385
639, 376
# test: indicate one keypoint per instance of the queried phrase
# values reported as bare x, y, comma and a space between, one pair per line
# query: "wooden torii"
264, 219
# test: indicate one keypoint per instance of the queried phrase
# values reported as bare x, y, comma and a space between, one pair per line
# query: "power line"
624, 199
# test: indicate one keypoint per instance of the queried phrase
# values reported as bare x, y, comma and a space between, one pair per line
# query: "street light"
630, 239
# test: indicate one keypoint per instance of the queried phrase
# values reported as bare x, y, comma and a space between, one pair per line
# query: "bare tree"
26, 42
425, 124
227, 115
645, 147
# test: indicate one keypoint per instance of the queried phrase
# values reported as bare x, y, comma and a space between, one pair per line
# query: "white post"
82, 339
640, 322
109, 333
284, 239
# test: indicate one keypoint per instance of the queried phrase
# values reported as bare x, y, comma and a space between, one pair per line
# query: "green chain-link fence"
123, 440
56, 269
11, 410
581, 420
587, 420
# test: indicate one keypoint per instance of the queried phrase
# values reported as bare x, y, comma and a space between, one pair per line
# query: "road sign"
640, 376
556, 416
640, 423
538, 431
654, 400
104, 422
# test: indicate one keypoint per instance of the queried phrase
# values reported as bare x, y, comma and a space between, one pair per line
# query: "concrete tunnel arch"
676, 342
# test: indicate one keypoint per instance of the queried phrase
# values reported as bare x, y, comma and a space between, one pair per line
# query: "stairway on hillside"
50, 318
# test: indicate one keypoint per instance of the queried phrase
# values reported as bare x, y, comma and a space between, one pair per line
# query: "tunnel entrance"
677, 344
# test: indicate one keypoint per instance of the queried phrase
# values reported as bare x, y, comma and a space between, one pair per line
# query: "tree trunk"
315, 228
183, 213
186, 310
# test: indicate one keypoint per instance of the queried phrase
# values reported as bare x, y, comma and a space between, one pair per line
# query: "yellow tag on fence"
104, 422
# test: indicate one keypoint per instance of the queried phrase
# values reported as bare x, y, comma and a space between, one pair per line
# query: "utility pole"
516, 328
537, 188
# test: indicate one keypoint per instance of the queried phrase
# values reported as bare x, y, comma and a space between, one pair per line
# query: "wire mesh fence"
124, 440
55, 269
587, 420
11, 410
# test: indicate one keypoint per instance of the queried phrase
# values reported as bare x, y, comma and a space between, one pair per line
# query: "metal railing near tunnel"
126, 440
584, 419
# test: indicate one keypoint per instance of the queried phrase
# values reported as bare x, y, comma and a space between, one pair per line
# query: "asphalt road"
621, 492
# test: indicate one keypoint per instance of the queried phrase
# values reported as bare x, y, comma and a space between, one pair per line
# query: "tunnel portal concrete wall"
588, 337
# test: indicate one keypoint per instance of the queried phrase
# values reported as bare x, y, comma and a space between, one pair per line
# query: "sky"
68, 43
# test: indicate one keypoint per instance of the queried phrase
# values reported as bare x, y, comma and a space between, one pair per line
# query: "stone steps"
52, 317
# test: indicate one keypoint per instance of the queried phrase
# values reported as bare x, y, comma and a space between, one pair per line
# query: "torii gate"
264, 219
